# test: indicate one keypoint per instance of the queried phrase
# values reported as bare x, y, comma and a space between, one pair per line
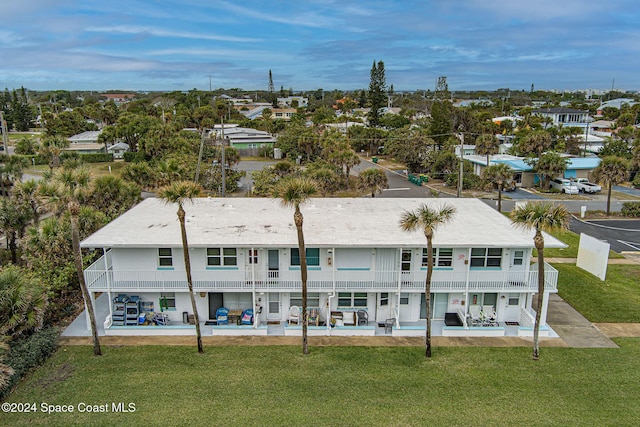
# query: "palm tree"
27, 192
612, 170
23, 302
541, 217
294, 192
498, 174
5, 370
14, 219
69, 187
427, 219
486, 145
52, 147
179, 192
372, 180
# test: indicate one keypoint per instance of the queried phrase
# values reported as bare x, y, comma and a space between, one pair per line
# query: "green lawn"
249, 386
617, 299
573, 240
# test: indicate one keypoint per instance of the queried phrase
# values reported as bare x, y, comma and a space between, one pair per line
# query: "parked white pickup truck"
584, 186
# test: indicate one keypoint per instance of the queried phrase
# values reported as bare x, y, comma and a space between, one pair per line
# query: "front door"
274, 263
273, 307
215, 302
383, 307
512, 310
517, 267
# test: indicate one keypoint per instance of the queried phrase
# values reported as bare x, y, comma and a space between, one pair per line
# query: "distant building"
119, 98
561, 116
243, 138
293, 102
86, 143
616, 103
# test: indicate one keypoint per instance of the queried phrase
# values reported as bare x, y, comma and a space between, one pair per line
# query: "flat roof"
328, 222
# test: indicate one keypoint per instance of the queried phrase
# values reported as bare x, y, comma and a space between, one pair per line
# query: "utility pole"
4, 132
461, 172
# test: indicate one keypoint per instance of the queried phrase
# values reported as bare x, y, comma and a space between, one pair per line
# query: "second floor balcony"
100, 279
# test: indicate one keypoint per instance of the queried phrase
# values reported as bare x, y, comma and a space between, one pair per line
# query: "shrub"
636, 181
97, 157
631, 209
29, 353
134, 157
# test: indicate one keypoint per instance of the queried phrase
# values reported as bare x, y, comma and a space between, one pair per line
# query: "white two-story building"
244, 255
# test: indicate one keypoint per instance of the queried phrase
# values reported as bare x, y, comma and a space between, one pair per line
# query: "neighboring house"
616, 103
86, 143
118, 149
118, 98
601, 128
283, 113
468, 150
523, 174
242, 138
562, 116
293, 101
244, 255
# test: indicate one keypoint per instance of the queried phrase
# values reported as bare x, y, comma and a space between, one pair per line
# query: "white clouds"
159, 32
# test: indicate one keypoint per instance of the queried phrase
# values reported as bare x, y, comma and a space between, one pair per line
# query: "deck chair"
222, 316
363, 318
388, 325
314, 317
294, 314
474, 314
489, 314
247, 317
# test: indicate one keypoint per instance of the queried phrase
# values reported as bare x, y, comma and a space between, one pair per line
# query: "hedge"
135, 157
631, 209
88, 157
28, 353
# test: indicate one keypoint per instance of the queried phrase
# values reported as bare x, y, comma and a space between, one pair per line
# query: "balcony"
100, 279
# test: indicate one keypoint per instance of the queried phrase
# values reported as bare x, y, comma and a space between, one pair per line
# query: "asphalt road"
621, 234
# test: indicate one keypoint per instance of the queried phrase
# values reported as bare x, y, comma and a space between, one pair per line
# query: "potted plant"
333, 322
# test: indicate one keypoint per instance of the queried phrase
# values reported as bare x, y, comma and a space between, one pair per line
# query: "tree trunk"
427, 292
298, 219
13, 248
500, 185
187, 267
77, 258
609, 198
539, 243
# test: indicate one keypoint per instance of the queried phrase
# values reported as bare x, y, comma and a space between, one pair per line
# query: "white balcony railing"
100, 280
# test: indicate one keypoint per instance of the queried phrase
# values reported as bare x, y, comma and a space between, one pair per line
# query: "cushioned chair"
474, 315
247, 317
314, 317
363, 318
294, 314
222, 316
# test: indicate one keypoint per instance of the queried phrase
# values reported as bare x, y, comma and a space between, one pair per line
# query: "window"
518, 257
165, 259
352, 299
406, 260
404, 299
443, 257
253, 256
168, 300
225, 257
313, 299
486, 257
313, 256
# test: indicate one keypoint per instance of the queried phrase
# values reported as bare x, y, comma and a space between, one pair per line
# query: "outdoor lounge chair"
314, 317
474, 314
294, 314
247, 317
363, 318
222, 316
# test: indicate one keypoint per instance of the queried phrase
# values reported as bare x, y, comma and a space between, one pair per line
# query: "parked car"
564, 185
584, 186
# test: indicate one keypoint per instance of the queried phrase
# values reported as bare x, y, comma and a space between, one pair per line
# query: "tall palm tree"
27, 192
68, 187
373, 180
540, 217
427, 219
498, 174
294, 192
23, 302
179, 192
487, 145
612, 170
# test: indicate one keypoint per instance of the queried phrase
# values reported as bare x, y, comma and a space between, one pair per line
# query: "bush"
134, 157
636, 181
38, 159
97, 157
29, 353
631, 209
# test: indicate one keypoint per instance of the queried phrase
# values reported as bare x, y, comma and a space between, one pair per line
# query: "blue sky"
182, 44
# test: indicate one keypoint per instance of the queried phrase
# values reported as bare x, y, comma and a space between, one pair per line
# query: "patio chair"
314, 317
294, 314
388, 325
247, 317
489, 315
474, 314
222, 316
363, 317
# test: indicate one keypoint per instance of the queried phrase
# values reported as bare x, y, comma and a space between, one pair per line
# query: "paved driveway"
626, 190
622, 235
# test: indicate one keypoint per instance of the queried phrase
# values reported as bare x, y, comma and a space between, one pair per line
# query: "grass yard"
615, 300
354, 386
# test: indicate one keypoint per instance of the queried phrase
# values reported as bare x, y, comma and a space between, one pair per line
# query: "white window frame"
439, 259
488, 258
224, 257
164, 258
355, 299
